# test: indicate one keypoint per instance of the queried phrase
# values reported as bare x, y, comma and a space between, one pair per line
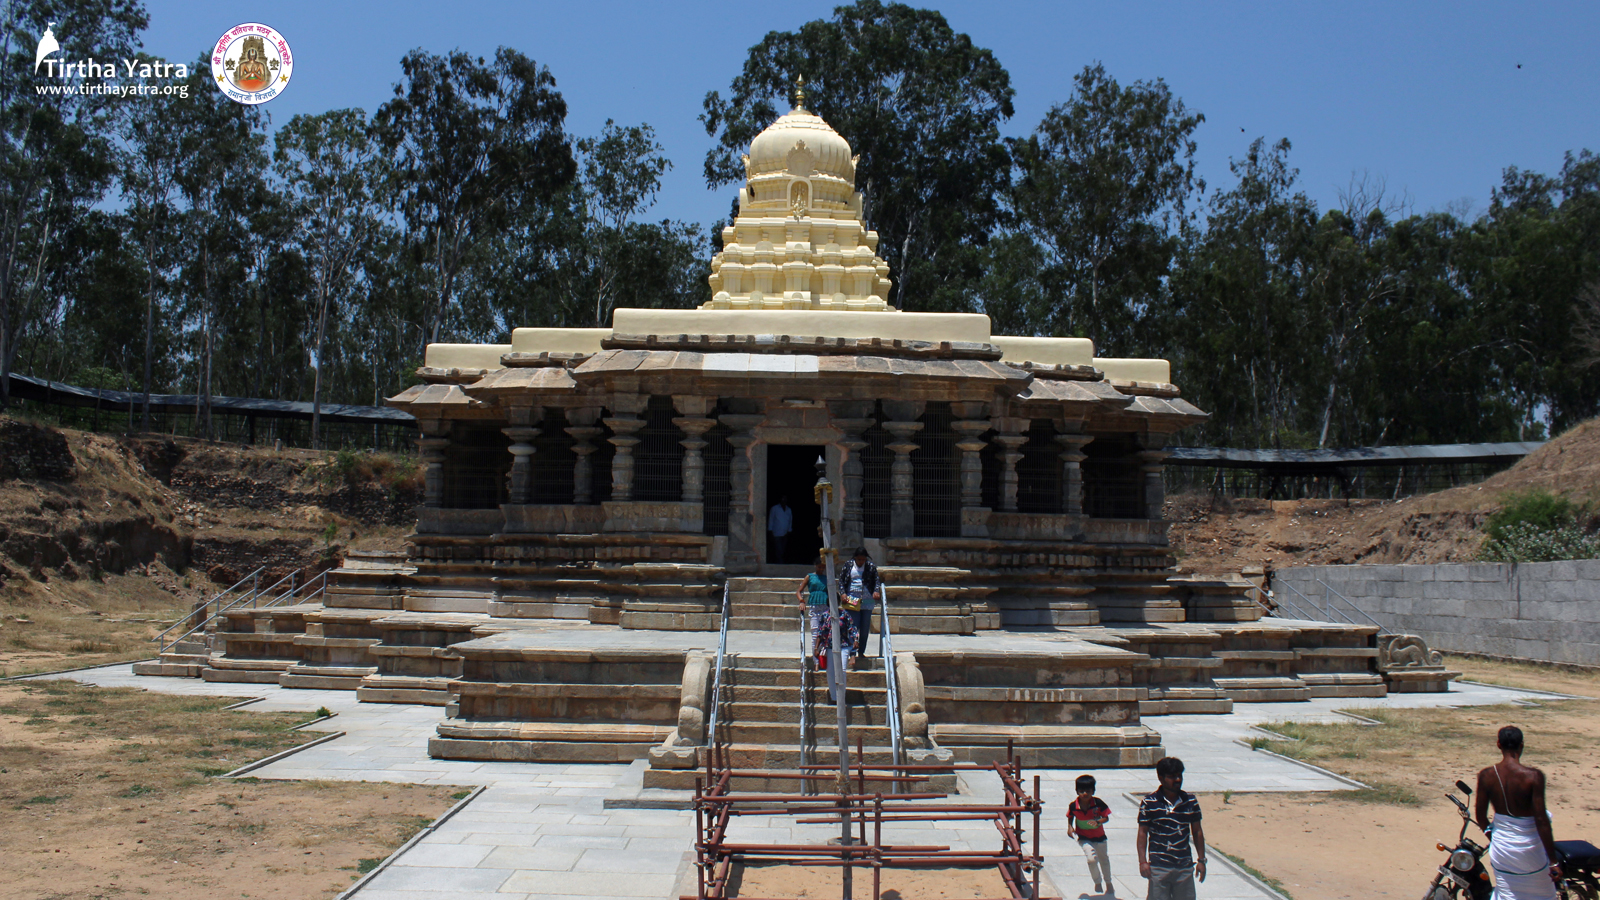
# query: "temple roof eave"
441, 401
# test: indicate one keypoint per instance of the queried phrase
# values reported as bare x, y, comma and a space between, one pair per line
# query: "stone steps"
818, 693
789, 713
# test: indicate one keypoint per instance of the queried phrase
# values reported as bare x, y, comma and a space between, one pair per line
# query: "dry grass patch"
1558, 679
108, 792
61, 624
1367, 843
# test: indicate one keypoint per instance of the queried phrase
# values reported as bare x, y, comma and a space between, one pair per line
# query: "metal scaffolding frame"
716, 804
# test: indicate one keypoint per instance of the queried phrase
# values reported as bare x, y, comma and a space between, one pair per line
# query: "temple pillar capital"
1155, 492
970, 429
1010, 434
901, 426
520, 482
852, 532
583, 430
741, 556
1072, 457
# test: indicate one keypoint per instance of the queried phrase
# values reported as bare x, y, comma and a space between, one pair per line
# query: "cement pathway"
541, 832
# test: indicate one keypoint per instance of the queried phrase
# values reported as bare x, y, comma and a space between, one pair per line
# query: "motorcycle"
1580, 871
1463, 873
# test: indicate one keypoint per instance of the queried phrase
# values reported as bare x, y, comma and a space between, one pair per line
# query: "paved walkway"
541, 832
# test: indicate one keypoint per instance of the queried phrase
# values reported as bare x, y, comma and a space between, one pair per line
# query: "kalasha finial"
800, 92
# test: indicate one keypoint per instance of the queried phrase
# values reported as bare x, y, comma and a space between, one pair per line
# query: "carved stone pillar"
741, 556
583, 431
970, 424
694, 424
1011, 434
520, 487
624, 423
1072, 457
431, 448
1155, 493
521, 433
902, 425
852, 417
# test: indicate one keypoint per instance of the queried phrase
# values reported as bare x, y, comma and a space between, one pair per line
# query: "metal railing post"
891, 675
1329, 589
716, 681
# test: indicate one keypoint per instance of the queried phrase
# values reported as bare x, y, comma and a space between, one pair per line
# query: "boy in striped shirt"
1168, 819
1086, 821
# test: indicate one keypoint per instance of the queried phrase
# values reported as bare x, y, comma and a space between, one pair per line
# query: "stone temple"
591, 494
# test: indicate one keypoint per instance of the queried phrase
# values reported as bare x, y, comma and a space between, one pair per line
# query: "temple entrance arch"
792, 473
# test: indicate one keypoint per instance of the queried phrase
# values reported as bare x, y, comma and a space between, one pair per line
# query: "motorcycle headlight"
1462, 861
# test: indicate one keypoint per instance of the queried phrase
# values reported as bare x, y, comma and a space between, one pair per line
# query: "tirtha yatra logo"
251, 63
47, 46
91, 77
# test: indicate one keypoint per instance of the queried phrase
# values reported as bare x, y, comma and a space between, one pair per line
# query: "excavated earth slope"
1224, 535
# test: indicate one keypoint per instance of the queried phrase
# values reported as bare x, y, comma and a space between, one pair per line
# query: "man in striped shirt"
1168, 819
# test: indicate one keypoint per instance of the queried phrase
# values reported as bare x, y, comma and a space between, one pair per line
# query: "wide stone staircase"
763, 604
776, 715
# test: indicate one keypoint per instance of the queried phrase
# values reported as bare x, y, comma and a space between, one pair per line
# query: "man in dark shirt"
1168, 819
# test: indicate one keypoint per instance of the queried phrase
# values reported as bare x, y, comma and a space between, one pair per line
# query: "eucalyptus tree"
1103, 184
1238, 315
920, 104
620, 175
148, 162
471, 140
330, 168
56, 159
221, 180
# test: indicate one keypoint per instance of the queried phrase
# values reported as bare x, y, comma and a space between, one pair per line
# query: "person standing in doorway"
860, 591
1169, 819
780, 522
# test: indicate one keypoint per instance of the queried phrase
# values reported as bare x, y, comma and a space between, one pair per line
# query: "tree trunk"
316, 383
149, 327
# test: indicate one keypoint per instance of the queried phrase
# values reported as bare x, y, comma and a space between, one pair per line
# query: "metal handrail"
1328, 588
254, 600
891, 677
254, 578
1293, 607
716, 682
806, 787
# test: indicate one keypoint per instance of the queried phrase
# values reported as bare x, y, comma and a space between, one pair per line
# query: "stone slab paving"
541, 831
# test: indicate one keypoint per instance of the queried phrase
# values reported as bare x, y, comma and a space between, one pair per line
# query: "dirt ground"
1381, 842
1222, 535
110, 793
802, 882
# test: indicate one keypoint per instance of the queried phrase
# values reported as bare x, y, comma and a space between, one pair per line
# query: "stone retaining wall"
1539, 611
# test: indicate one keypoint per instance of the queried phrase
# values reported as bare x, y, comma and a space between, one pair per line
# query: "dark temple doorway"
792, 473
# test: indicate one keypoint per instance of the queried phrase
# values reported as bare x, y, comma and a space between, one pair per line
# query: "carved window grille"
553, 460
1039, 472
877, 462
476, 466
658, 457
935, 476
719, 486
1112, 483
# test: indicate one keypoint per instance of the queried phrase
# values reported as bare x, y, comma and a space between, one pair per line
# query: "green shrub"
1537, 526
1538, 508
1527, 542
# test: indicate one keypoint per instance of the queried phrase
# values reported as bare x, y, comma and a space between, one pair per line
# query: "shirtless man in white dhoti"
1522, 850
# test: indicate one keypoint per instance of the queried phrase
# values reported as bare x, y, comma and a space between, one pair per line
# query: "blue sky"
1425, 96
